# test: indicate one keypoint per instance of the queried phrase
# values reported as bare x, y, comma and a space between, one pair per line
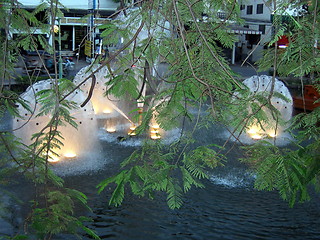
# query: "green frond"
174, 191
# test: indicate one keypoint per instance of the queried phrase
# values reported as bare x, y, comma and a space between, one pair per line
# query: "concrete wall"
265, 16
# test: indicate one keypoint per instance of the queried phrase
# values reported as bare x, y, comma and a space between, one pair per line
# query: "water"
227, 208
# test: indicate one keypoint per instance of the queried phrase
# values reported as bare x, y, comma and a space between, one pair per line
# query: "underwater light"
70, 155
111, 130
133, 127
106, 111
132, 133
155, 136
256, 136
273, 135
53, 159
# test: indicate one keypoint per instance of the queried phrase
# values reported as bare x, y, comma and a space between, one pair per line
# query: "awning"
243, 30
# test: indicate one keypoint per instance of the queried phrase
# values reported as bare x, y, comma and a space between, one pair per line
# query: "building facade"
80, 21
257, 15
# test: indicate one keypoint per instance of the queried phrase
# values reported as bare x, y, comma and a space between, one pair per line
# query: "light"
272, 134
256, 136
69, 155
154, 131
155, 136
132, 133
282, 46
111, 130
53, 159
133, 127
252, 131
106, 111
55, 29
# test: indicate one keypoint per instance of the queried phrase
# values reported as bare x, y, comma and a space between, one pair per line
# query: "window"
259, 8
262, 28
242, 7
249, 9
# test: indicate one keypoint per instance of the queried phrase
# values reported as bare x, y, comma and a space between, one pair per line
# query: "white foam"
233, 179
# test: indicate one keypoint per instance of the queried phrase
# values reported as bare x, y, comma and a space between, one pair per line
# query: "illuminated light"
282, 46
133, 127
273, 135
132, 133
252, 131
70, 155
111, 130
256, 136
154, 131
55, 29
106, 111
53, 159
155, 136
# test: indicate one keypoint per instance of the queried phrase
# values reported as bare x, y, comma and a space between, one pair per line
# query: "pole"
233, 57
60, 59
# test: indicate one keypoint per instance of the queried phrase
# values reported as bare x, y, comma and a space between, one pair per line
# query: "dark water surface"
227, 208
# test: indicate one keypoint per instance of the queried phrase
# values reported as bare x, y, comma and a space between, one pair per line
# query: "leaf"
174, 192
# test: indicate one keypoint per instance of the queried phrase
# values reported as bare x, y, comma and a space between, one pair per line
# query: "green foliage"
152, 169
58, 216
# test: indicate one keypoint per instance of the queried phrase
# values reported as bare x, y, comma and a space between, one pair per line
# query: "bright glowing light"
111, 130
55, 29
106, 111
272, 134
256, 136
70, 155
53, 159
132, 133
155, 136
252, 131
133, 127
154, 131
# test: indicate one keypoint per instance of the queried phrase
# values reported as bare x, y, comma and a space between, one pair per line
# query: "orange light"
106, 111
132, 133
111, 130
133, 127
155, 136
53, 159
273, 135
69, 155
256, 136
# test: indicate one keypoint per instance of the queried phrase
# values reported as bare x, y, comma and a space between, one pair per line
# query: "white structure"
257, 14
74, 28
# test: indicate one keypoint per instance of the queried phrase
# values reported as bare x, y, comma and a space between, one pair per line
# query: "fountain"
77, 143
272, 129
111, 112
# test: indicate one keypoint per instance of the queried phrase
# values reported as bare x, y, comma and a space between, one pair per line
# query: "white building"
257, 15
74, 26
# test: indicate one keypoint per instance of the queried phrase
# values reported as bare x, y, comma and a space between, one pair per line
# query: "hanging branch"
107, 61
93, 83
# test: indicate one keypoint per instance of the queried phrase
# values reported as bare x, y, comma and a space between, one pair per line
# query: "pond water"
227, 208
